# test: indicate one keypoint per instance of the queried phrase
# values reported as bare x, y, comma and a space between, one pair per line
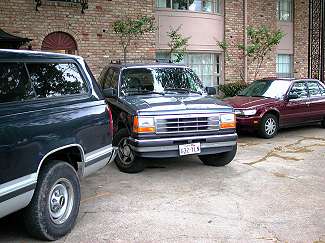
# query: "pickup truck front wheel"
221, 159
126, 160
54, 208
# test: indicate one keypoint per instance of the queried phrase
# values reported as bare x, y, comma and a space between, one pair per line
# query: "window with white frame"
206, 65
284, 66
205, 6
285, 10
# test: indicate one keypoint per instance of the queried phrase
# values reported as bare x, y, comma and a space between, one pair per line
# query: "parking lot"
272, 192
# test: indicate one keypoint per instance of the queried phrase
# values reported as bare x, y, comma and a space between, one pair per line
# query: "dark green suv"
163, 111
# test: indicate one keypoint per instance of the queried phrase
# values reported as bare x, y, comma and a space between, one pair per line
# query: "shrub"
232, 89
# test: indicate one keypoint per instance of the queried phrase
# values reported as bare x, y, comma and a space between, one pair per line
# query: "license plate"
192, 148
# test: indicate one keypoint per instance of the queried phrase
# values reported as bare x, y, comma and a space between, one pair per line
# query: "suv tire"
221, 159
269, 126
126, 159
54, 208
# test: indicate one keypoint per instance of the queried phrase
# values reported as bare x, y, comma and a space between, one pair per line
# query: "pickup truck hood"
244, 102
175, 104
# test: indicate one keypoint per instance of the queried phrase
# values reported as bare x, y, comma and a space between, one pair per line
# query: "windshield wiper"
181, 90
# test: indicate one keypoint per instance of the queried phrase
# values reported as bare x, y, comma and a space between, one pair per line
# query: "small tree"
177, 43
260, 42
129, 29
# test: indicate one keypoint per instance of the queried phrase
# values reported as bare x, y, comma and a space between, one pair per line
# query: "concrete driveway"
274, 191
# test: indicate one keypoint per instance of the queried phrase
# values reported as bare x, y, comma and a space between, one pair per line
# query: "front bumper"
168, 147
247, 123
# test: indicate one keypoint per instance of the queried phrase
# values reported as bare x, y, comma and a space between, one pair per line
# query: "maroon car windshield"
267, 88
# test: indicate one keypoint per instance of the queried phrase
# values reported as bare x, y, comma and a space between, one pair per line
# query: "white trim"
97, 166
17, 184
98, 153
16, 203
61, 148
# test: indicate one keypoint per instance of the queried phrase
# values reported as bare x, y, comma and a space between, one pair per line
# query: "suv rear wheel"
221, 159
126, 160
54, 208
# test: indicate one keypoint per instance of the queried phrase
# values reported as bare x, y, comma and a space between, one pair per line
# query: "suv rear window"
14, 83
56, 79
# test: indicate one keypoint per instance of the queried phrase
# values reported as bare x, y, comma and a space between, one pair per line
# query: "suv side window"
14, 83
314, 89
110, 80
56, 79
300, 89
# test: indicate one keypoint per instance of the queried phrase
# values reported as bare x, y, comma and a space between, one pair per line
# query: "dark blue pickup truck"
54, 128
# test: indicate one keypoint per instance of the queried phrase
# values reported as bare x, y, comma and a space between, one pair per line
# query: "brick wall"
263, 13
98, 44
301, 26
259, 13
234, 33
92, 31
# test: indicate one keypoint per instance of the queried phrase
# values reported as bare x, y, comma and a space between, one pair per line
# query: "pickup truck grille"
187, 123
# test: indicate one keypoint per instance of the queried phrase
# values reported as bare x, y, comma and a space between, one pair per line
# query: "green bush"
232, 89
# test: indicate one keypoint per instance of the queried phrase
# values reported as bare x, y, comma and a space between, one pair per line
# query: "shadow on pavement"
12, 227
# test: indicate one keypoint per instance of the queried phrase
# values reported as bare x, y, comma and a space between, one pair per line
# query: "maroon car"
269, 104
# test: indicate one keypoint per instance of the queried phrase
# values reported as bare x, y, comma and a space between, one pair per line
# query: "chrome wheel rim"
270, 126
61, 201
125, 152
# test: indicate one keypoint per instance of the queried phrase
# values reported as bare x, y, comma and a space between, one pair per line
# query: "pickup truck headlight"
227, 121
144, 124
250, 112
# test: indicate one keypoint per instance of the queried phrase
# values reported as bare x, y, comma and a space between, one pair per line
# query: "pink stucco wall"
203, 28
286, 44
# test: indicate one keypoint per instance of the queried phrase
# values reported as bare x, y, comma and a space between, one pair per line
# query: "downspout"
245, 41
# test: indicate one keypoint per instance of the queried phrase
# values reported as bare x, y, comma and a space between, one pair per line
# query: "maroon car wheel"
269, 126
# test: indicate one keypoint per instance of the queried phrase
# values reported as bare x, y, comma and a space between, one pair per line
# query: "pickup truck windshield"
160, 80
267, 88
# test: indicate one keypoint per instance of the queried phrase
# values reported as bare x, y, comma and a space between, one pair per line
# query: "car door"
16, 95
296, 110
317, 100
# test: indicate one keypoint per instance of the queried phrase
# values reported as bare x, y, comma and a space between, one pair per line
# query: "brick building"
219, 20
57, 25
60, 25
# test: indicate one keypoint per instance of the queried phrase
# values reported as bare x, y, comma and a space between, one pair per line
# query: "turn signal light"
143, 124
227, 121
228, 125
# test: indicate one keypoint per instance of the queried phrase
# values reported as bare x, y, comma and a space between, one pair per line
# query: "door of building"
60, 42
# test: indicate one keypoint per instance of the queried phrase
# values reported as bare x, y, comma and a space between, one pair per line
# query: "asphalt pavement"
274, 191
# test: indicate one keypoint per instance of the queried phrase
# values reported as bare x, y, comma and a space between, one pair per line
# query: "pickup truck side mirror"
292, 96
211, 90
110, 93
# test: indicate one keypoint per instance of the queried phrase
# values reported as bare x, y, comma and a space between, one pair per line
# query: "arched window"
60, 42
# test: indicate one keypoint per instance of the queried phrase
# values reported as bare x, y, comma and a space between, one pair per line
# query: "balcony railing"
82, 3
